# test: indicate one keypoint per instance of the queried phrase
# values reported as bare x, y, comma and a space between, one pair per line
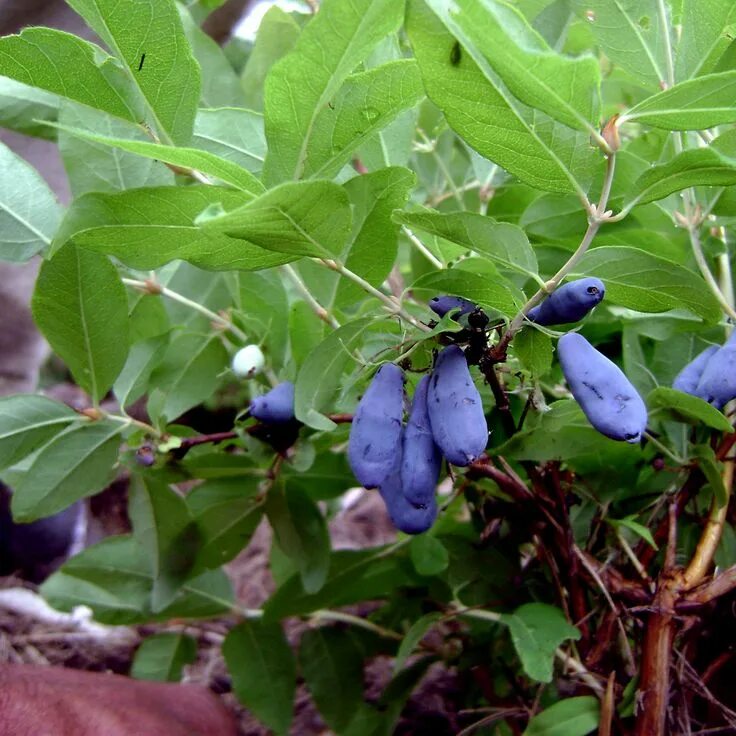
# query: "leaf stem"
597, 215
414, 240
392, 304
149, 286
349, 618
308, 297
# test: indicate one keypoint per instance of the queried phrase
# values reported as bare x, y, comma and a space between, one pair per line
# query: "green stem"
391, 303
414, 240
349, 618
596, 216
151, 287
309, 298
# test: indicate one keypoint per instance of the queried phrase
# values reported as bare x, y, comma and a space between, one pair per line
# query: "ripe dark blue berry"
569, 303
276, 406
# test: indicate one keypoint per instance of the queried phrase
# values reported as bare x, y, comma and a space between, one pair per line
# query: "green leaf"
220, 83
332, 664
693, 105
42, 57
567, 89
497, 294
188, 373
638, 529
29, 212
143, 357
371, 252
713, 472
309, 218
630, 33
161, 657
233, 134
74, 464
319, 377
688, 408
354, 576
263, 671
304, 81
697, 167
412, 638
458, 80
147, 228
428, 555
27, 422
365, 104
707, 30
114, 579
263, 307
505, 244
227, 512
81, 307
301, 533
537, 629
306, 331
534, 350
276, 37
25, 109
186, 158
168, 76
563, 433
644, 282
570, 717
94, 167
164, 528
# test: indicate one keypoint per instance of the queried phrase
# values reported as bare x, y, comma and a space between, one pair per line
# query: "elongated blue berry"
441, 305
406, 517
717, 384
569, 303
688, 378
374, 448
276, 406
421, 459
455, 409
607, 398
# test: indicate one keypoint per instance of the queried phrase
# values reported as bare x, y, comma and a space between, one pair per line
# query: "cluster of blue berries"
711, 375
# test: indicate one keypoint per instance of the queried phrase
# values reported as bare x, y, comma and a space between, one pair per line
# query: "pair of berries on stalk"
608, 399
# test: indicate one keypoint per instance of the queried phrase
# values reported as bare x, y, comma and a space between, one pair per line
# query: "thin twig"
309, 298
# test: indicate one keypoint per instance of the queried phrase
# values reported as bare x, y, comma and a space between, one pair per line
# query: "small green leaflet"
27, 421
537, 629
148, 38
147, 228
301, 533
498, 293
187, 158
693, 105
570, 717
365, 104
459, 81
303, 82
631, 34
125, 597
689, 408
644, 282
42, 57
75, 463
263, 670
505, 244
308, 218
566, 88
29, 212
81, 307
697, 167
162, 657
320, 374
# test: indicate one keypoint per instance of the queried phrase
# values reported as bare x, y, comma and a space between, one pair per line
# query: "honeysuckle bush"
309, 194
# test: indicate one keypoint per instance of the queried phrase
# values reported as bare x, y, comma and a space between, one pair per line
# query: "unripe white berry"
248, 361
